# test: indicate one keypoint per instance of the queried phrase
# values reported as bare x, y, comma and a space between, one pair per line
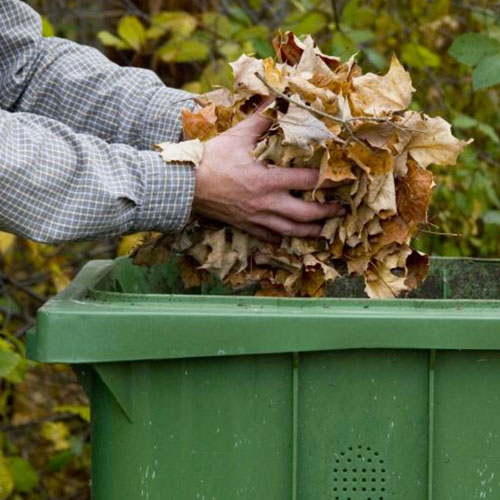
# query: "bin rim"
83, 325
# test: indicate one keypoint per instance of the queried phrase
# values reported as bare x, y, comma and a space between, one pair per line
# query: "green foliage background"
451, 48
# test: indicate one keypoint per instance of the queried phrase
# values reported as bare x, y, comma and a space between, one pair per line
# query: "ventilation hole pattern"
359, 473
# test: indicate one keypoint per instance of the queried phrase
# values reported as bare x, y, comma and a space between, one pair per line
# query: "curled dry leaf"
221, 257
381, 95
309, 64
187, 151
378, 135
289, 49
274, 74
201, 125
381, 196
190, 274
431, 141
414, 194
334, 168
417, 265
245, 81
372, 154
383, 282
373, 162
301, 128
219, 97
329, 273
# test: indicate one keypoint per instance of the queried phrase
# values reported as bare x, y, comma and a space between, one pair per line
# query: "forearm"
80, 87
57, 185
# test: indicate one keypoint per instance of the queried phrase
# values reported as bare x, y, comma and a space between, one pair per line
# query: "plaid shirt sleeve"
58, 185
67, 114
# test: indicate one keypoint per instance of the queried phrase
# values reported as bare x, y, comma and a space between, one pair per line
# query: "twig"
299, 104
72, 496
8, 313
22, 288
130, 7
488, 159
61, 417
311, 110
336, 15
21, 331
345, 123
454, 235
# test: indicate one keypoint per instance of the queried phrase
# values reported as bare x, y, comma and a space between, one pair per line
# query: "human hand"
233, 187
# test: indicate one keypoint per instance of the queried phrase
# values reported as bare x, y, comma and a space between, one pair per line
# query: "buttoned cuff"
168, 195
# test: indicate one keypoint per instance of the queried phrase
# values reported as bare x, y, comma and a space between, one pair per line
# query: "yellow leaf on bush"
179, 23
133, 32
82, 411
183, 50
110, 40
57, 433
6, 241
6, 480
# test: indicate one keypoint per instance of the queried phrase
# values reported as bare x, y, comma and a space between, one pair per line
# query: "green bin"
212, 397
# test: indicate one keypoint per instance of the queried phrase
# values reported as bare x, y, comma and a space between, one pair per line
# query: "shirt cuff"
168, 195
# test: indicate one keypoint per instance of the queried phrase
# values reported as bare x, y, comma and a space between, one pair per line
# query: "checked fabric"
76, 133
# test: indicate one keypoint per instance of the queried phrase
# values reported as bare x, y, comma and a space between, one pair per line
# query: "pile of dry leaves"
357, 130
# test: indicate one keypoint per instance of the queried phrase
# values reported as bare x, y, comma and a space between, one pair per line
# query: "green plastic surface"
233, 397
108, 315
